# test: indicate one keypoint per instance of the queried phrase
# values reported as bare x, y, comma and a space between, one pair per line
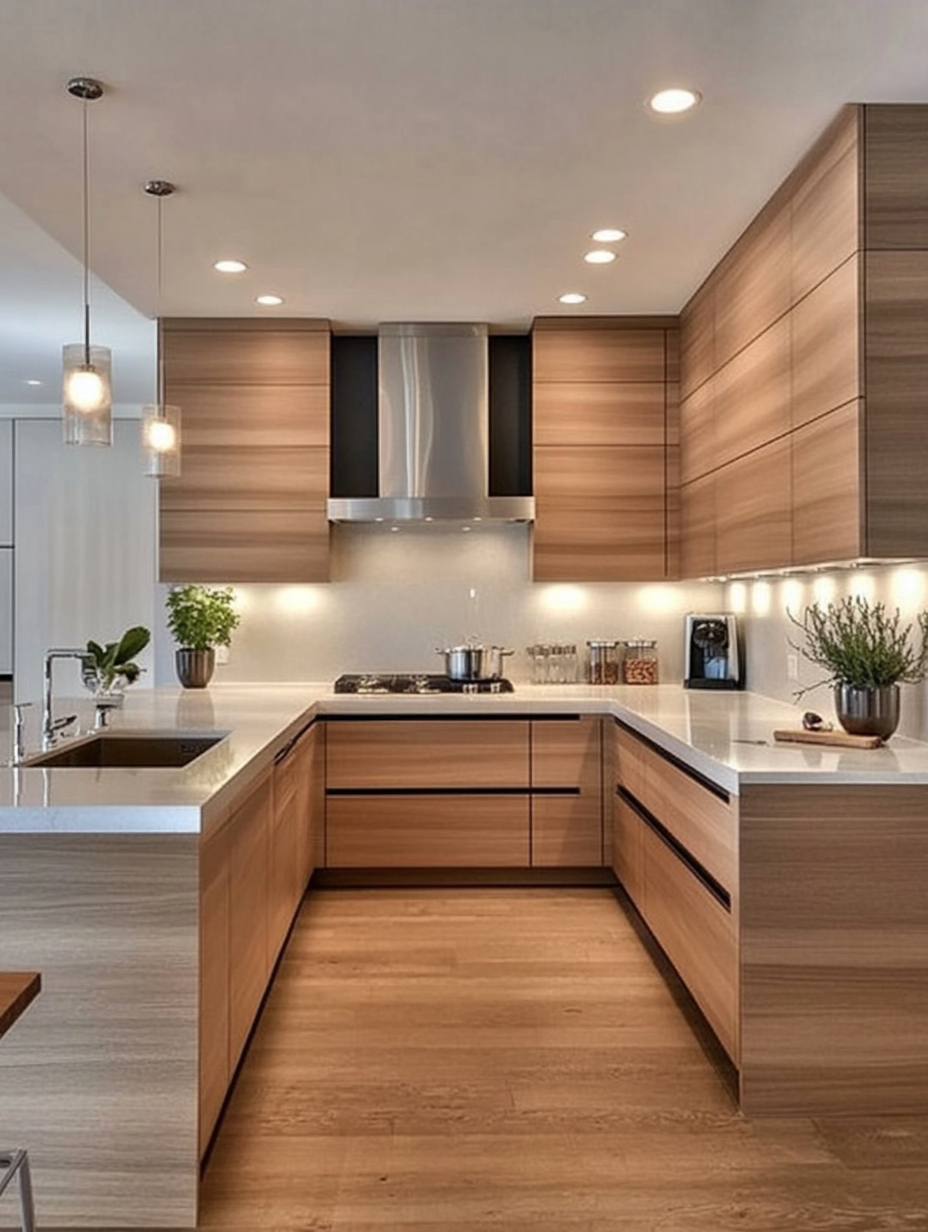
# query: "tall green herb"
200, 617
861, 644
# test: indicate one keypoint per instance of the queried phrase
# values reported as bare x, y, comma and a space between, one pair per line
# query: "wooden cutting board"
838, 739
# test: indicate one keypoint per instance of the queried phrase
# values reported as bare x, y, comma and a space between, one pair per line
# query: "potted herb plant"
867, 653
107, 670
200, 619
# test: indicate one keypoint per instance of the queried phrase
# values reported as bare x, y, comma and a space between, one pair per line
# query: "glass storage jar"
604, 662
639, 664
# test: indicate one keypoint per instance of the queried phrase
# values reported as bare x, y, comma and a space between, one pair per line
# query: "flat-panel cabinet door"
827, 488
423, 831
215, 1070
465, 754
249, 828
567, 829
754, 509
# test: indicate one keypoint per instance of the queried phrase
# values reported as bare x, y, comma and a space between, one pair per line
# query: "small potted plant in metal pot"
867, 653
200, 619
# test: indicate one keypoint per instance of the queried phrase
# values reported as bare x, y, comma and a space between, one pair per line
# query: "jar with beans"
639, 666
604, 662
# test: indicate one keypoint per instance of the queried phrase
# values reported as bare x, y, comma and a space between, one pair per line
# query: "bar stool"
16, 1164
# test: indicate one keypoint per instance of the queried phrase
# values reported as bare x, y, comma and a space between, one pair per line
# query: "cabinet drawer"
427, 753
627, 829
695, 931
702, 822
427, 831
567, 831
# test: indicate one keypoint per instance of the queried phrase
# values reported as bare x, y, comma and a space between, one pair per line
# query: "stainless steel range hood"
433, 406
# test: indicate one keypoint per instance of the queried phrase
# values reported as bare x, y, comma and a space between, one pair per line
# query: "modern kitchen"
464, 628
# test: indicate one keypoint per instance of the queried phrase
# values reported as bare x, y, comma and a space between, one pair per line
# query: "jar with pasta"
639, 664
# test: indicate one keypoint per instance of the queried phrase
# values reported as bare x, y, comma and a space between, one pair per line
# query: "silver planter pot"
868, 711
195, 667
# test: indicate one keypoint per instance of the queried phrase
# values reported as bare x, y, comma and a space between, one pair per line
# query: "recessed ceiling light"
599, 256
608, 235
230, 267
32, 381
571, 297
673, 101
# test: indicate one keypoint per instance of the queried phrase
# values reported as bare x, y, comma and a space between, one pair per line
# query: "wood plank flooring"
453, 1060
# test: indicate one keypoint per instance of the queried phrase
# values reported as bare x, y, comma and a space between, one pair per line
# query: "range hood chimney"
433, 408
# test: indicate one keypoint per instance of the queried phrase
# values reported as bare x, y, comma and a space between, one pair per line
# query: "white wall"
768, 630
396, 596
85, 534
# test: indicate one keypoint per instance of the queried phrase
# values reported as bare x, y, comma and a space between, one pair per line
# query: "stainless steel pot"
470, 663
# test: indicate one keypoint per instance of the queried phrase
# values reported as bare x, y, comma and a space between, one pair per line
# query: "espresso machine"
714, 653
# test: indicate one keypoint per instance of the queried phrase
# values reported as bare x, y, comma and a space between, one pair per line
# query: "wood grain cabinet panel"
698, 528
895, 333
599, 413
896, 176
249, 829
751, 404
250, 502
826, 220
214, 1070
627, 848
827, 481
697, 340
754, 509
599, 514
609, 351
567, 830
698, 449
825, 345
427, 753
422, 831
697, 933
700, 819
752, 289
222, 351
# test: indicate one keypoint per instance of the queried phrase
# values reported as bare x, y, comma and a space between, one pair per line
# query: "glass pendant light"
160, 423
88, 400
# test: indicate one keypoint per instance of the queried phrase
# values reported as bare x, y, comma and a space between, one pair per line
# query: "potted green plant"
867, 654
106, 670
200, 619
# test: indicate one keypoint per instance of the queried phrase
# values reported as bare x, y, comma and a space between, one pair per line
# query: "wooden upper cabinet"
896, 176
250, 502
751, 402
827, 505
597, 349
753, 283
826, 345
603, 389
697, 340
824, 191
754, 510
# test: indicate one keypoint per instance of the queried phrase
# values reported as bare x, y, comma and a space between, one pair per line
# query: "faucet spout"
51, 726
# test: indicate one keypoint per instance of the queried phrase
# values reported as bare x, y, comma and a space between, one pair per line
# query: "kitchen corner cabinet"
803, 363
604, 392
250, 502
463, 793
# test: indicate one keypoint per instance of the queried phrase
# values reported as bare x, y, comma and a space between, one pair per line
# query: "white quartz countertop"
727, 737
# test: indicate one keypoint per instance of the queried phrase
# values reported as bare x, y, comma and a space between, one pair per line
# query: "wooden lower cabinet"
695, 930
567, 829
674, 850
249, 958
253, 870
464, 793
424, 831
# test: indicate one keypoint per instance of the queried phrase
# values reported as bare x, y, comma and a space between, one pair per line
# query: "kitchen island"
155, 904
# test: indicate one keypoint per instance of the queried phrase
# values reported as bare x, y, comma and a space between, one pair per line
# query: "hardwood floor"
453, 1060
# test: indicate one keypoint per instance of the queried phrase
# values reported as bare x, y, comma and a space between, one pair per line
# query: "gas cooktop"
418, 684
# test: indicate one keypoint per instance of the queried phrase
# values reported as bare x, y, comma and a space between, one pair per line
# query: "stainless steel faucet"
51, 726
19, 731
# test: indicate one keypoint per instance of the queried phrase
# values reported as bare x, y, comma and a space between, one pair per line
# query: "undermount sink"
128, 751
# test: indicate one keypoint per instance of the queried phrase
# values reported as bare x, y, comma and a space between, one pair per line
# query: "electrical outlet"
222, 654
792, 666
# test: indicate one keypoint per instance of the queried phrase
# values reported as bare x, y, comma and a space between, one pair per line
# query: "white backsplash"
395, 597
763, 606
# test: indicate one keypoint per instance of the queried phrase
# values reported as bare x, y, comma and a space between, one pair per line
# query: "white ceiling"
404, 159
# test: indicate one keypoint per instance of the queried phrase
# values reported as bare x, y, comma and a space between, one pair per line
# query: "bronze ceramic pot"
195, 667
868, 711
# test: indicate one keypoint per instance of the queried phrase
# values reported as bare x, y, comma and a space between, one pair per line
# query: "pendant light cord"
86, 237
158, 286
